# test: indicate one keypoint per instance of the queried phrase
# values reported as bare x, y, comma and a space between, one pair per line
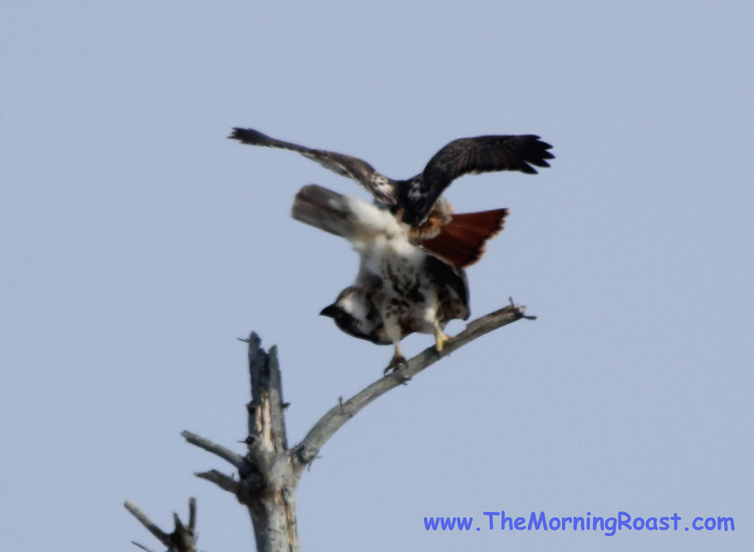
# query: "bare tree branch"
225, 482
192, 514
277, 422
270, 472
326, 427
225, 453
267, 434
141, 546
268, 489
182, 539
161, 536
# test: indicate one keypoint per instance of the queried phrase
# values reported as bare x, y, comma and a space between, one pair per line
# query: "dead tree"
269, 472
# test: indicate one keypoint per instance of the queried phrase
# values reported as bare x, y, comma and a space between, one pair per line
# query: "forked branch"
182, 539
269, 473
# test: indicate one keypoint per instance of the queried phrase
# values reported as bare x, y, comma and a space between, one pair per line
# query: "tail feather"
323, 209
462, 240
344, 216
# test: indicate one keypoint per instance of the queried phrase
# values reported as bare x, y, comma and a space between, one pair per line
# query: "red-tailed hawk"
417, 201
400, 288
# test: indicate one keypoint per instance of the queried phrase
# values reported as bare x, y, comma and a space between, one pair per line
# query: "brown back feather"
462, 240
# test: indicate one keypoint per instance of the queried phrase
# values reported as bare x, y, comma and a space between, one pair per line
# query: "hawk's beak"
330, 310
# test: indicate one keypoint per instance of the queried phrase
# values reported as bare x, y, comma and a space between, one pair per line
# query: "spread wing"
470, 156
344, 165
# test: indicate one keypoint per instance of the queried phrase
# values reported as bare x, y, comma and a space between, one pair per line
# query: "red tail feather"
462, 240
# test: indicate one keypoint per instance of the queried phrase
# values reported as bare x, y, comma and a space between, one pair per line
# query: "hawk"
401, 288
458, 238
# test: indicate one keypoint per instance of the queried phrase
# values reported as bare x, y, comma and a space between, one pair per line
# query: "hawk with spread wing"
401, 288
413, 247
458, 238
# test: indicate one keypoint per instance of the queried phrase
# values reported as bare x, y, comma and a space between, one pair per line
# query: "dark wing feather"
344, 165
470, 156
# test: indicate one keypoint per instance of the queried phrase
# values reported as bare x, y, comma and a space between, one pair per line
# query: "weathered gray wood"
226, 454
270, 472
271, 503
225, 482
182, 539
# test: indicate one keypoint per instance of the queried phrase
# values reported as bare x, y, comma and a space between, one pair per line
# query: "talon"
396, 362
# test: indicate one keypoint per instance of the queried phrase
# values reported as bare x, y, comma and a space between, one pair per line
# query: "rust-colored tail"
461, 241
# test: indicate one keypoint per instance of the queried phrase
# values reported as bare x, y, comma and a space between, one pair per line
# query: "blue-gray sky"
137, 244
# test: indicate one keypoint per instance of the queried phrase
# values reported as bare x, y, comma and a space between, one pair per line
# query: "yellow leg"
440, 338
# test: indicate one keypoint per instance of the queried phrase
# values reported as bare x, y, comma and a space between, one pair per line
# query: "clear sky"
137, 244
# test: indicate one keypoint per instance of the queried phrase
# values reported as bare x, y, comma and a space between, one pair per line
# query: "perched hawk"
417, 201
401, 288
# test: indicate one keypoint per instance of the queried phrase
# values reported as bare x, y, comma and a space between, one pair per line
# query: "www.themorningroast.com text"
606, 525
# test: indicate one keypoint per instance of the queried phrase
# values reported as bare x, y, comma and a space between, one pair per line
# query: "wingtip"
249, 136
537, 155
546, 154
